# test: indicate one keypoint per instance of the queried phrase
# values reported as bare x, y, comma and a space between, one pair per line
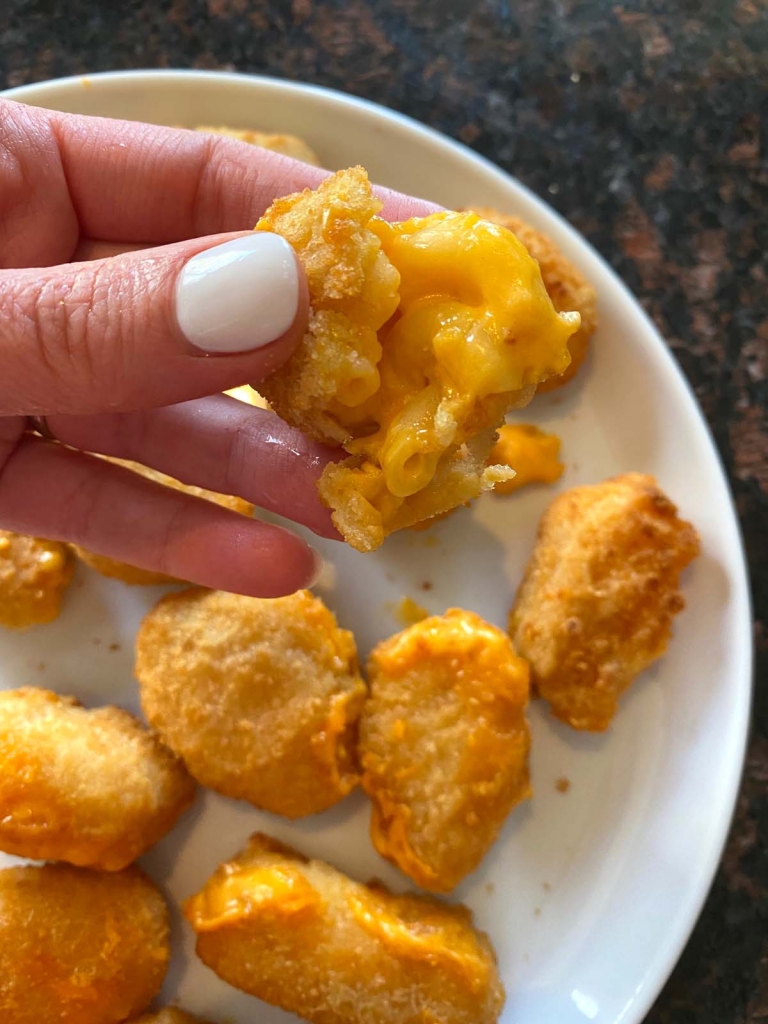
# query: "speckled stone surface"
644, 123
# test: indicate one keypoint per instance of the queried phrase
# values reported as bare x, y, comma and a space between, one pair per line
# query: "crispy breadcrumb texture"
567, 287
133, 574
34, 573
78, 946
170, 1015
94, 788
304, 937
444, 744
260, 698
288, 145
421, 335
533, 454
599, 595
353, 291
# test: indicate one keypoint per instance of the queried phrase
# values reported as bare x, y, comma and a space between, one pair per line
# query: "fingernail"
240, 295
319, 570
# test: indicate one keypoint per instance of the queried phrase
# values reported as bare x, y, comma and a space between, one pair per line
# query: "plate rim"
659, 968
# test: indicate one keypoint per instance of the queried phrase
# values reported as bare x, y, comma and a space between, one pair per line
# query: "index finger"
134, 182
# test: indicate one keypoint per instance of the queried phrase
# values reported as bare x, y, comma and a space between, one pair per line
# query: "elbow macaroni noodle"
423, 334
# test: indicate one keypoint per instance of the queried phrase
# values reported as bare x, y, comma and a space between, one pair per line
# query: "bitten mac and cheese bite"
92, 787
421, 335
599, 595
302, 936
260, 698
444, 744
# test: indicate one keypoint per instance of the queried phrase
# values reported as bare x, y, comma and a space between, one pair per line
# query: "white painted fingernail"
240, 295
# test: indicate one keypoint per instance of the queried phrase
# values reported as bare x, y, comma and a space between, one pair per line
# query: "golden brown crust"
132, 574
94, 788
599, 595
567, 287
444, 744
34, 573
353, 292
304, 937
259, 697
288, 145
79, 947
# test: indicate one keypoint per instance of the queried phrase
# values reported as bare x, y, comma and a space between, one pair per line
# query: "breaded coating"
288, 145
132, 574
533, 454
245, 393
303, 936
421, 335
261, 698
79, 946
94, 788
170, 1015
34, 574
599, 595
567, 288
444, 744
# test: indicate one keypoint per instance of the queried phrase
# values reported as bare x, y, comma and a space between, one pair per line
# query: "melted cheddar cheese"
422, 335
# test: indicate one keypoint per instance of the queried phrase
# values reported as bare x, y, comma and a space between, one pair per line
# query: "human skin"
96, 348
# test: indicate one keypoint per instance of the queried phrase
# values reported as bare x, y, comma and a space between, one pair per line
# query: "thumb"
149, 328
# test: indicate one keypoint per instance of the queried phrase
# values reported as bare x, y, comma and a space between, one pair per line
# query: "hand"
117, 344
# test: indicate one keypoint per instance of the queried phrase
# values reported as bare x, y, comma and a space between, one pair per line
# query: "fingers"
48, 490
217, 443
142, 183
138, 329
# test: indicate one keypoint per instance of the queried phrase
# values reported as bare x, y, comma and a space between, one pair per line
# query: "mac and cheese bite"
533, 454
421, 335
34, 573
288, 145
444, 744
302, 936
78, 946
599, 595
566, 285
259, 697
91, 787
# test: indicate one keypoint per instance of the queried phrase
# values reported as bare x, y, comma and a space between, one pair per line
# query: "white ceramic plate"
590, 895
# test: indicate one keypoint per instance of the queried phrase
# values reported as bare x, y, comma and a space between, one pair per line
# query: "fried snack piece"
304, 937
170, 1015
94, 788
78, 946
245, 393
260, 698
132, 574
444, 744
599, 595
288, 145
421, 335
533, 454
566, 285
34, 574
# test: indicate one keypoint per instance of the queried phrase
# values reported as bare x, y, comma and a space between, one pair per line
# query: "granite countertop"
640, 121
